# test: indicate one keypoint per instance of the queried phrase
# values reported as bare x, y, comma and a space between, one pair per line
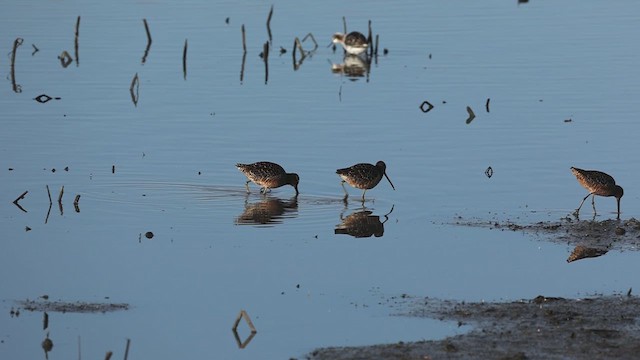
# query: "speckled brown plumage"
353, 43
268, 175
597, 183
363, 176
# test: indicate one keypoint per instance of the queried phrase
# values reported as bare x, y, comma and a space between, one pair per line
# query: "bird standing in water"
353, 43
363, 176
268, 175
597, 183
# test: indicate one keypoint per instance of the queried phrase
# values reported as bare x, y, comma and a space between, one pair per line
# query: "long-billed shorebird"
363, 176
597, 183
353, 43
268, 175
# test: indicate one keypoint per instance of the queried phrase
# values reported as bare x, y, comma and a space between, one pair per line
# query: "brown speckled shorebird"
268, 175
363, 176
353, 43
598, 183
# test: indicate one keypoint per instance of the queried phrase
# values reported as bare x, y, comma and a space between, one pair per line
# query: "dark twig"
184, 59
108, 355
135, 83
265, 52
126, 350
61, 193
75, 203
269, 23
487, 104
146, 51
16, 88
344, 24
244, 40
15, 202
471, 115
76, 41
49, 193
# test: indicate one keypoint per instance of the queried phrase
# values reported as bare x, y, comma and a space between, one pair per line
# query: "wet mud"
70, 307
539, 328
590, 238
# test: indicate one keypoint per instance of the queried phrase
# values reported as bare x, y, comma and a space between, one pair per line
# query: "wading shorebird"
597, 183
268, 175
363, 176
353, 43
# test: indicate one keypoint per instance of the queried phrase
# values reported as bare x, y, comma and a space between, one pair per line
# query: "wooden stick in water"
49, 193
269, 22
184, 59
61, 193
20, 197
76, 41
244, 40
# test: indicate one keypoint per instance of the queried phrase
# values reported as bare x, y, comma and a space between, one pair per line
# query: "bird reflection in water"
269, 210
362, 223
353, 66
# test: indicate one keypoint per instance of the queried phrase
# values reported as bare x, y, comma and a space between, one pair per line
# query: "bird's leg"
582, 202
346, 194
593, 203
364, 192
247, 185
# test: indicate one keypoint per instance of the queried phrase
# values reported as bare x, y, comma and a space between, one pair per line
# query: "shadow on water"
353, 67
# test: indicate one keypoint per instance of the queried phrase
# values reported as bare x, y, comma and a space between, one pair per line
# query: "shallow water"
303, 285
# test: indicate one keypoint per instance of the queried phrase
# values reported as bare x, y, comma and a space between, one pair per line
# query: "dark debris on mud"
540, 328
71, 307
591, 238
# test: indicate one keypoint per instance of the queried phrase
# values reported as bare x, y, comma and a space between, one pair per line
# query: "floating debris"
426, 106
148, 235
45, 98
471, 115
489, 172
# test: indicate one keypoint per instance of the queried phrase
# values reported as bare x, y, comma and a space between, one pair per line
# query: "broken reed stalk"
20, 197
16, 88
244, 40
76, 200
487, 104
135, 83
344, 24
243, 314
184, 59
76, 41
146, 50
375, 51
126, 350
49, 193
108, 355
265, 52
146, 28
61, 193
269, 22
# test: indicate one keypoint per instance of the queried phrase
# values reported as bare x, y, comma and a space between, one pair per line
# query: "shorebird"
268, 175
597, 183
363, 176
353, 43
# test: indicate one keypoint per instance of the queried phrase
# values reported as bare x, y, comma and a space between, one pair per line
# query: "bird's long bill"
385, 175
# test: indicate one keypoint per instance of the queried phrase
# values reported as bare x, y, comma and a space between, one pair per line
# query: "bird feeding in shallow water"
597, 183
268, 175
363, 176
353, 43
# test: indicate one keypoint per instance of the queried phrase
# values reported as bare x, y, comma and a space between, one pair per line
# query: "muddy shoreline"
544, 327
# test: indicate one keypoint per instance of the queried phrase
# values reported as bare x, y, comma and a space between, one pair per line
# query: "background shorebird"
268, 175
597, 183
363, 176
353, 43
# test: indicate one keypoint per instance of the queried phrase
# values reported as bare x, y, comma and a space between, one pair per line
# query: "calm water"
303, 285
